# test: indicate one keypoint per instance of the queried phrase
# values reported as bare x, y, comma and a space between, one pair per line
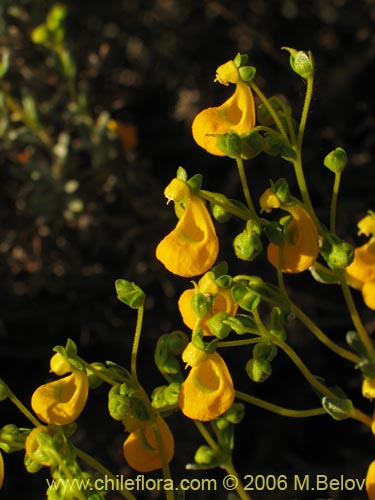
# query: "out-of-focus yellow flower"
222, 301
126, 133
301, 245
370, 481
366, 225
60, 402
140, 448
368, 388
192, 247
208, 390
361, 272
237, 113
1, 470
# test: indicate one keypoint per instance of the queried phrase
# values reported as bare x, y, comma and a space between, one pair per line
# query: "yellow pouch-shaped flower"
237, 113
222, 302
140, 448
192, 247
301, 245
208, 390
60, 402
361, 272
370, 481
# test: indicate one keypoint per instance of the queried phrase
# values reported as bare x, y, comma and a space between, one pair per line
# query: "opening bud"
301, 62
336, 160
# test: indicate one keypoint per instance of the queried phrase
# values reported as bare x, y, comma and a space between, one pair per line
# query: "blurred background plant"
96, 106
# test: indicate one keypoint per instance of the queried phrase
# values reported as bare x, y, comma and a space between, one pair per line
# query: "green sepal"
209, 347
251, 144
247, 245
94, 380
201, 303
276, 323
219, 213
240, 60
337, 252
117, 372
338, 408
129, 293
367, 368
355, 342
301, 62
230, 144
181, 174
218, 325
119, 401
195, 183
220, 269
205, 456
247, 73
322, 274
12, 438
4, 390
264, 350
336, 160
242, 324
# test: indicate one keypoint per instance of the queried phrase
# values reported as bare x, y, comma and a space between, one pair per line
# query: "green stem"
361, 330
241, 214
137, 336
245, 188
320, 335
103, 471
335, 192
240, 490
22, 408
207, 436
280, 410
270, 109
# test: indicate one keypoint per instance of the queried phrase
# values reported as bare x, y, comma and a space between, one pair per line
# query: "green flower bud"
301, 62
281, 189
340, 255
176, 342
119, 401
242, 324
171, 366
264, 350
165, 395
201, 304
338, 408
205, 456
235, 414
224, 281
217, 325
251, 144
12, 438
129, 293
336, 160
247, 73
230, 144
56, 16
276, 324
40, 35
218, 211
247, 245
195, 182
4, 391
258, 370
31, 465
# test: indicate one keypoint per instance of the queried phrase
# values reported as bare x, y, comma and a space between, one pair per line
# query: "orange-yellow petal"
370, 481
237, 113
140, 448
192, 247
368, 293
362, 269
368, 388
1, 470
35, 451
60, 402
301, 246
208, 390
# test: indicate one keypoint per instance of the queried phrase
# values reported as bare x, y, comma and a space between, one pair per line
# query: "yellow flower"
237, 113
35, 451
208, 390
368, 388
222, 301
192, 247
361, 272
1, 470
301, 245
140, 448
370, 481
366, 225
60, 402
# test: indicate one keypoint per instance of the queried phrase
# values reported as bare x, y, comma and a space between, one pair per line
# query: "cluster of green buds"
259, 367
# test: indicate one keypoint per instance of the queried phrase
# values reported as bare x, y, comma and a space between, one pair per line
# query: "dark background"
153, 63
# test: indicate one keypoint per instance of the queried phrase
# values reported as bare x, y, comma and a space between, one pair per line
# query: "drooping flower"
370, 481
236, 114
222, 301
361, 272
208, 390
141, 450
42, 455
60, 402
192, 247
301, 246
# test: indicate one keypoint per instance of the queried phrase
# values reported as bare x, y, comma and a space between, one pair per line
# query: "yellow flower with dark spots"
192, 247
236, 114
60, 402
208, 390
